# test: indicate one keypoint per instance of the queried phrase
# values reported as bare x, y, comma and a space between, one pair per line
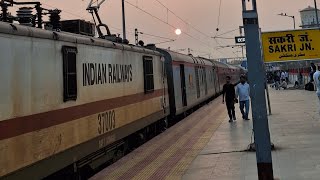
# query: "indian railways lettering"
286, 44
99, 73
106, 121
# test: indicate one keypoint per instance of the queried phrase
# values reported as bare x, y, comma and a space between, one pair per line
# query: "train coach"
72, 102
194, 80
65, 96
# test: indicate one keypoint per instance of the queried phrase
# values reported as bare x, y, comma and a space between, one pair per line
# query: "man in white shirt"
243, 92
313, 70
316, 78
283, 84
286, 74
283, 75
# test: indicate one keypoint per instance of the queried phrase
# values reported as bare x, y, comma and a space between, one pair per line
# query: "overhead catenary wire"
116, 28
222, 45
152, 35
219, 35
68, 12
136, 6
221, 52
219, 13
218, 24
193, 27
172, 26
77, 15
167, 41
146, 12
167, 23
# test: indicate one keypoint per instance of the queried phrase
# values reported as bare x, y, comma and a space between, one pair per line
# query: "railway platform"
206, 146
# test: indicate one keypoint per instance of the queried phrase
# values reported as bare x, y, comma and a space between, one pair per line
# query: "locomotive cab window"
148, 74
69, 73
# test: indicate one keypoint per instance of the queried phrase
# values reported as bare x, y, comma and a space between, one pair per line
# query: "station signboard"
240, 40
291, 45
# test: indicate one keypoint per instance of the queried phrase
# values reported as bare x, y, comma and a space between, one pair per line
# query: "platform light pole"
257, 90
316, 9
123, 21
294, 19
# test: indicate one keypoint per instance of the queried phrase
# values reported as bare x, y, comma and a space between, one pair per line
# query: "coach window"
196, 68
69, 73
148, 74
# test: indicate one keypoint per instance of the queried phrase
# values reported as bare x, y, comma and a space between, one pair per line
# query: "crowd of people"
240, 93
278, 79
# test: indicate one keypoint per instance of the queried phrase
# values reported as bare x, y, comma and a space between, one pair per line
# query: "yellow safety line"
157, 142
147, 151
178, 171
152, 167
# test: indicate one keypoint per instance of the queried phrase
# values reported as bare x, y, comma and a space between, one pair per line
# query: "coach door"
215, 80
205, 80
183, 85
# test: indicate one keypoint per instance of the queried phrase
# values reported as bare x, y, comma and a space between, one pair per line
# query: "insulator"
24, 15
55, 19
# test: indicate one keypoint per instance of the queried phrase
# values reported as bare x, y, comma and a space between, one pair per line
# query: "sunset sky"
200, 14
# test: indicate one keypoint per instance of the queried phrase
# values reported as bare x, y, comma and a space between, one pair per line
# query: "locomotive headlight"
178, 31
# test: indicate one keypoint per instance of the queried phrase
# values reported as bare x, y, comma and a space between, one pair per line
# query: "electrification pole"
316, 9
136, 35
257, 90
123, 21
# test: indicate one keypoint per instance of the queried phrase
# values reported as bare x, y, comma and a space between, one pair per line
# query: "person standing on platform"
278, 74
316, 78
229, 96
283, 76
313, 70
286, 74
276, 82
243, 92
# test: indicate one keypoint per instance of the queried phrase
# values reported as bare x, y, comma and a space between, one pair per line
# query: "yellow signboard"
291, 45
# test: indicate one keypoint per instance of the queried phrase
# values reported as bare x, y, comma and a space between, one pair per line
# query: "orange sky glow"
201, 14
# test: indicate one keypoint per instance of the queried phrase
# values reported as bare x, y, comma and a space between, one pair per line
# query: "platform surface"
295, 131
206, 146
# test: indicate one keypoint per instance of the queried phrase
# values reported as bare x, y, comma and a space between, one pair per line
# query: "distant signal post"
291, 45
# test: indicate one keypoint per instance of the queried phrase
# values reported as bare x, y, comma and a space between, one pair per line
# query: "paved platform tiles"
295, 131
206, 146
168, 155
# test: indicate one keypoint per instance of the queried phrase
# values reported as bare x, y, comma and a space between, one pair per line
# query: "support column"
257, 91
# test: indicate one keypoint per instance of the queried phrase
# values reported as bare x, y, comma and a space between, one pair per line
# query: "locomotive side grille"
69, 73
148, 74
196, 68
